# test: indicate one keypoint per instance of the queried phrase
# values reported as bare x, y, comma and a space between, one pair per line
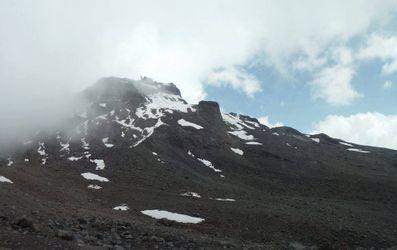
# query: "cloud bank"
383, 48
72, 43
373, 129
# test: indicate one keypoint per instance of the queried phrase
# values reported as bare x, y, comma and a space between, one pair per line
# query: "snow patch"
64, 146
253, 123
191, 194
87, 154
253, 143
224, 199
205, 162
94, 186
100, 164
158, 104
85, 144
94, 177
10, 162
237, 122
209, 164
316, 140
129, 125
358, 150
242, 135
149, 131
185, 123
41, 152
41, 149
74, 158
162, 214
4, 179
237, 151
346, 144
106, 142
232, 120
121, 208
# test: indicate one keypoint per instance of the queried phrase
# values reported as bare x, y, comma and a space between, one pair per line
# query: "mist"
27, 109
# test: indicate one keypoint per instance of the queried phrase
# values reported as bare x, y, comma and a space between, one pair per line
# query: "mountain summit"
139, 167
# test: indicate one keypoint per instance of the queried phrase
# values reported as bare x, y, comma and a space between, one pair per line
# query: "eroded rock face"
138, 145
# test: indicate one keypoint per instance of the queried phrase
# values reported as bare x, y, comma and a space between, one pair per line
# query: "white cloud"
71, 43
388, 84
343, 56
333, 84
383, 48
265, 121
374, 129
236, 78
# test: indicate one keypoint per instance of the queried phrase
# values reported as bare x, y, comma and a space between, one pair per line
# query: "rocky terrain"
137, 167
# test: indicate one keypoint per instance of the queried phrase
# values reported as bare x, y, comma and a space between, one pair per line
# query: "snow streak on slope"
94, 177
225, 199
162, 214
4, 179
358, 150
158, 104
209, 164
191, 194
315, 139
185, 123
237, 124
205, 162
74, 158
242, 135
346, 144
237, 151
253, 143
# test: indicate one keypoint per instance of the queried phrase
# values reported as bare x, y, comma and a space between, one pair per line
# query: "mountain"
139, 167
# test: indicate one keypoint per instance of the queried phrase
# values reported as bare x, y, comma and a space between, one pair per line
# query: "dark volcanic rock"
64, 235
28, 223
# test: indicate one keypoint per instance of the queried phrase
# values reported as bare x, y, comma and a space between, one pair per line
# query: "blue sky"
289, 101
315, 65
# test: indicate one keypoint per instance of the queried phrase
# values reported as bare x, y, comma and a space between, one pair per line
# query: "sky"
317, 66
